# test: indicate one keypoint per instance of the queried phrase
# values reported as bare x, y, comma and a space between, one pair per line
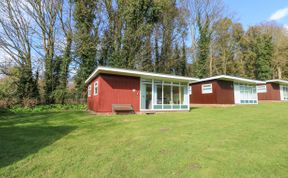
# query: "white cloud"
281, 13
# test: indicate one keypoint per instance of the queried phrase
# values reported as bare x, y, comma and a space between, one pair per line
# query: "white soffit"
135, 73
279, 81
230, 78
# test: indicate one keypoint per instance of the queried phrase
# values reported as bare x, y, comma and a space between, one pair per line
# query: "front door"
284, 92
146, 96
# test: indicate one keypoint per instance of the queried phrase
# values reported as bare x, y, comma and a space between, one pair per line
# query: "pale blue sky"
252, 12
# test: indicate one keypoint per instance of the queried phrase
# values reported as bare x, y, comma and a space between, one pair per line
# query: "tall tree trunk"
279, 72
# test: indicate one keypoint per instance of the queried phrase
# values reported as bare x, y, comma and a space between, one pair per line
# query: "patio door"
146, 94
245, 94
284, 92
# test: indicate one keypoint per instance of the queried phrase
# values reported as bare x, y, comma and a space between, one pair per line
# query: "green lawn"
241, 141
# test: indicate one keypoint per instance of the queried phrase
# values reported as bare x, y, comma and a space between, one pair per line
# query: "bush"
50, 108
8, 102
29, 103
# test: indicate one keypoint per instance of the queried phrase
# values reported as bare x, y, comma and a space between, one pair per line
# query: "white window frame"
283, 92
166, 83
96, 86
261, 88
89, 90
206, 91
245, 94
190, 90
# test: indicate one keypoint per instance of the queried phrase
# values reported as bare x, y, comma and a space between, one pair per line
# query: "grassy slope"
242, 141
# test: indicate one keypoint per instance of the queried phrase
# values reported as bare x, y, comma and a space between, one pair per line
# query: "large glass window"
182, 92
165, 95
146, 94
248, 94
176, 95
285, 93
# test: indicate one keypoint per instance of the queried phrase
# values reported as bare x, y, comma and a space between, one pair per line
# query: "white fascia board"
134, 73
230, 78
278, 81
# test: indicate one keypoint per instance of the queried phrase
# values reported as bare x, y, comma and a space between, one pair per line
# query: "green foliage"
27, 85
258, 53
227, 52
49, 108
86, 39
264, 57
203, 46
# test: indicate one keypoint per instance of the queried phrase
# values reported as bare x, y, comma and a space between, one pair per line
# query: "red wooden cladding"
273, 92
223, 93
114, 89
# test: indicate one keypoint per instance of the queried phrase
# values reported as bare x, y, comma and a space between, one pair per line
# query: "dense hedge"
49, 108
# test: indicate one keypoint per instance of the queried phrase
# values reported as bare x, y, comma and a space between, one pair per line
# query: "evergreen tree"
176, 65
203, 45
146, 64
168, 24
157, 56
183, 60
264, 57
86, 41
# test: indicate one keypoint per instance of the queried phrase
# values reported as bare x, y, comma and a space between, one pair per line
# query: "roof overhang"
134, 73
230, 78
278, 81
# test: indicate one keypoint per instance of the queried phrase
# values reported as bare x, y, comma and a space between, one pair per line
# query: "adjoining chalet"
143, 91
273, 90
224, 89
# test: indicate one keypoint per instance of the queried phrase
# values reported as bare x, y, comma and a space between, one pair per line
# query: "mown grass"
241, 141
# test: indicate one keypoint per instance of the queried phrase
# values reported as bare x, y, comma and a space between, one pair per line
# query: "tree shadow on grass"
192, 108
16, 143
41, 118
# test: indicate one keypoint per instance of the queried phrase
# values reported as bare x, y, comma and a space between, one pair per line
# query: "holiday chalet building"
224, 89
273, 90
113, 89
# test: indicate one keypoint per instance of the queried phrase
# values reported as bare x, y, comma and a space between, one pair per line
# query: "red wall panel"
223, 93
273, 92
115, 89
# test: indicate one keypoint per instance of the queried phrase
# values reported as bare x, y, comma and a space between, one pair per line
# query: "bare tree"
16, 34
65, 18
203, 14
44, 13
280, 47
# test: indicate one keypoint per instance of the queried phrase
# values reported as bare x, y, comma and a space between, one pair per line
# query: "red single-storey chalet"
224, 89
144, 91
273, 90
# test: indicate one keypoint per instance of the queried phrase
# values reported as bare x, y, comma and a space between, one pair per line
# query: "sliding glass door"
245, 94
165, 95
284, 92
146, 94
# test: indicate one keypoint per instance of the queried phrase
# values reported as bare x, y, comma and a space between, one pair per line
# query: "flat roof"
135, 73
279, 81
230, 78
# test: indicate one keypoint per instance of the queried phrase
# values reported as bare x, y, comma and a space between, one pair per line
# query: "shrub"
29, 102
8, 102
50, 108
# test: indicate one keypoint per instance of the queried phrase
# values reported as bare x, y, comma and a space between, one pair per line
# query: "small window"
261, 89
96, 88
207, 88
89, 90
